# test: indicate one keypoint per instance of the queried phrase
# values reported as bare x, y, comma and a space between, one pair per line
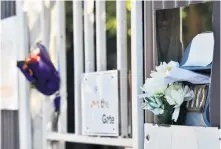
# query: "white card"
201, 52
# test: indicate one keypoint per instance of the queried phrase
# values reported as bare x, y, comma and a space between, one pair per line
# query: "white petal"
157, 74
177, 96
186, 89
176, 114
168, 92
170, 100
173, 64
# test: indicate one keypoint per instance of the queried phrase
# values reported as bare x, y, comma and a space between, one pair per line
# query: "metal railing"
101, 62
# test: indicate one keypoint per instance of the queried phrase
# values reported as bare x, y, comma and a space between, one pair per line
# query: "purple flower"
39, 70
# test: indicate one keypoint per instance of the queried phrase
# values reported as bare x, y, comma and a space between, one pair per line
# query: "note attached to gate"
204, 44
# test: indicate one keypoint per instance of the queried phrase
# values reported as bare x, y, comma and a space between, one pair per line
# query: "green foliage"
204, 14
184, 13
204, 10
111, 21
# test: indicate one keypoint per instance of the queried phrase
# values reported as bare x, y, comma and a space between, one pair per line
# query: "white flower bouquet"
163, 99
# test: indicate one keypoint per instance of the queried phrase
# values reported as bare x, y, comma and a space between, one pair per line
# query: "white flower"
172, 64
153, 86
156, 84
163, 69
175, 95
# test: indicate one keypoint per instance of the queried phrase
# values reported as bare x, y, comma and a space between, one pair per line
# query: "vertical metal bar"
13, 8
155, 54
2, 9
10, 127
7, 8
43, 25
181, 30
215, 77
61, 51
89, 35
163, 4
148, 47
196, 2
158, 5
169, 4
122, 64
24, 102
189, 2
16, 125
137, 73
45, 115
78, 61
182, 3
61, 48
101, 35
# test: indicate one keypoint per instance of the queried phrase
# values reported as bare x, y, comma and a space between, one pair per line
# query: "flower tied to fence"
41, 73
163, 99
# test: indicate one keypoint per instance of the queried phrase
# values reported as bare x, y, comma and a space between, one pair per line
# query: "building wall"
9, 118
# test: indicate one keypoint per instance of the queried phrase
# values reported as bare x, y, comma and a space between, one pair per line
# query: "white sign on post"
100, 103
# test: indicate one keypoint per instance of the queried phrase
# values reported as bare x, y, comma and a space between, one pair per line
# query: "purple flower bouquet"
40, 71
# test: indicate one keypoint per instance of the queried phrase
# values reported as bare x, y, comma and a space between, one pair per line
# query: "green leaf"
152, 104
152, 99
159, 102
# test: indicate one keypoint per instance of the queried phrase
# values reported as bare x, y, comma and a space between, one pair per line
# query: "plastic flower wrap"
162, 99
40, 72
